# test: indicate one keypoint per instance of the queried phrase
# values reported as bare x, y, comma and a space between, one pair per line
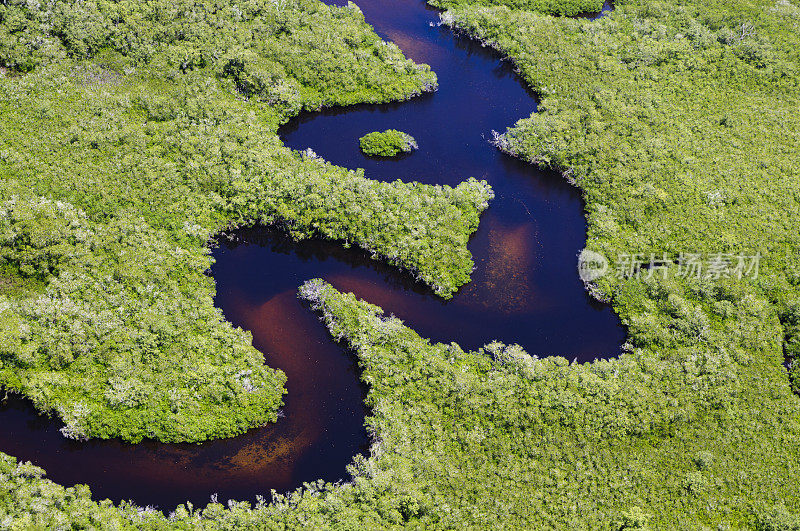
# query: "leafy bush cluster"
568, 8
36, 237
387, 143
496, 437
113, 343
139, 131
678, 121
290, 53
686, 116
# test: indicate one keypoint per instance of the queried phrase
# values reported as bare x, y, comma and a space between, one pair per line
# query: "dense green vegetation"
687, 116
568, 8
678, 121
499, 438
387, 143
131, 134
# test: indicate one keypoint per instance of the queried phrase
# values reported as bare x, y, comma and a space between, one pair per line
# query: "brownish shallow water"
525, 288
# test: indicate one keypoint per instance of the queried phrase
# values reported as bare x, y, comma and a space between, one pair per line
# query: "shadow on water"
525, 288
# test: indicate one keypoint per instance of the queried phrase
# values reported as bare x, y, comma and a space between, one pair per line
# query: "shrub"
388, 143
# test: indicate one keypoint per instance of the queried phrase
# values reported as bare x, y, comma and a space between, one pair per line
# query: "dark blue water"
525, 288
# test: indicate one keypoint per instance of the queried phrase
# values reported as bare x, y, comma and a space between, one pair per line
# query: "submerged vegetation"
678, 121
387, 143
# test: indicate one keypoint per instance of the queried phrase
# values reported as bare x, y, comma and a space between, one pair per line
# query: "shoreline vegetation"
389, 143
134, 133
678, 122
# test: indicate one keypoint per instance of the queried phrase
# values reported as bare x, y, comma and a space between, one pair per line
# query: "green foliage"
569, 8
144, 129
36, 237
114, 345
387, 143
778, 519
292, 53
678, 121
27, 501
790, 318
546, 442
675, 118
497, 437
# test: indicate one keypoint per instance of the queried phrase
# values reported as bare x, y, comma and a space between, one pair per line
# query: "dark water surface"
525, 288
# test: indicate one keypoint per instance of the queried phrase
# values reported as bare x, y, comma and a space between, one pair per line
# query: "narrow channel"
525, 288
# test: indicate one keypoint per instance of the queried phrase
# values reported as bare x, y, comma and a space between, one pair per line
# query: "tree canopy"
679, 123
132, 133
387, 143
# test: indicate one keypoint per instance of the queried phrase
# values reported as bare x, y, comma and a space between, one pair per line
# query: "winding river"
525, 288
